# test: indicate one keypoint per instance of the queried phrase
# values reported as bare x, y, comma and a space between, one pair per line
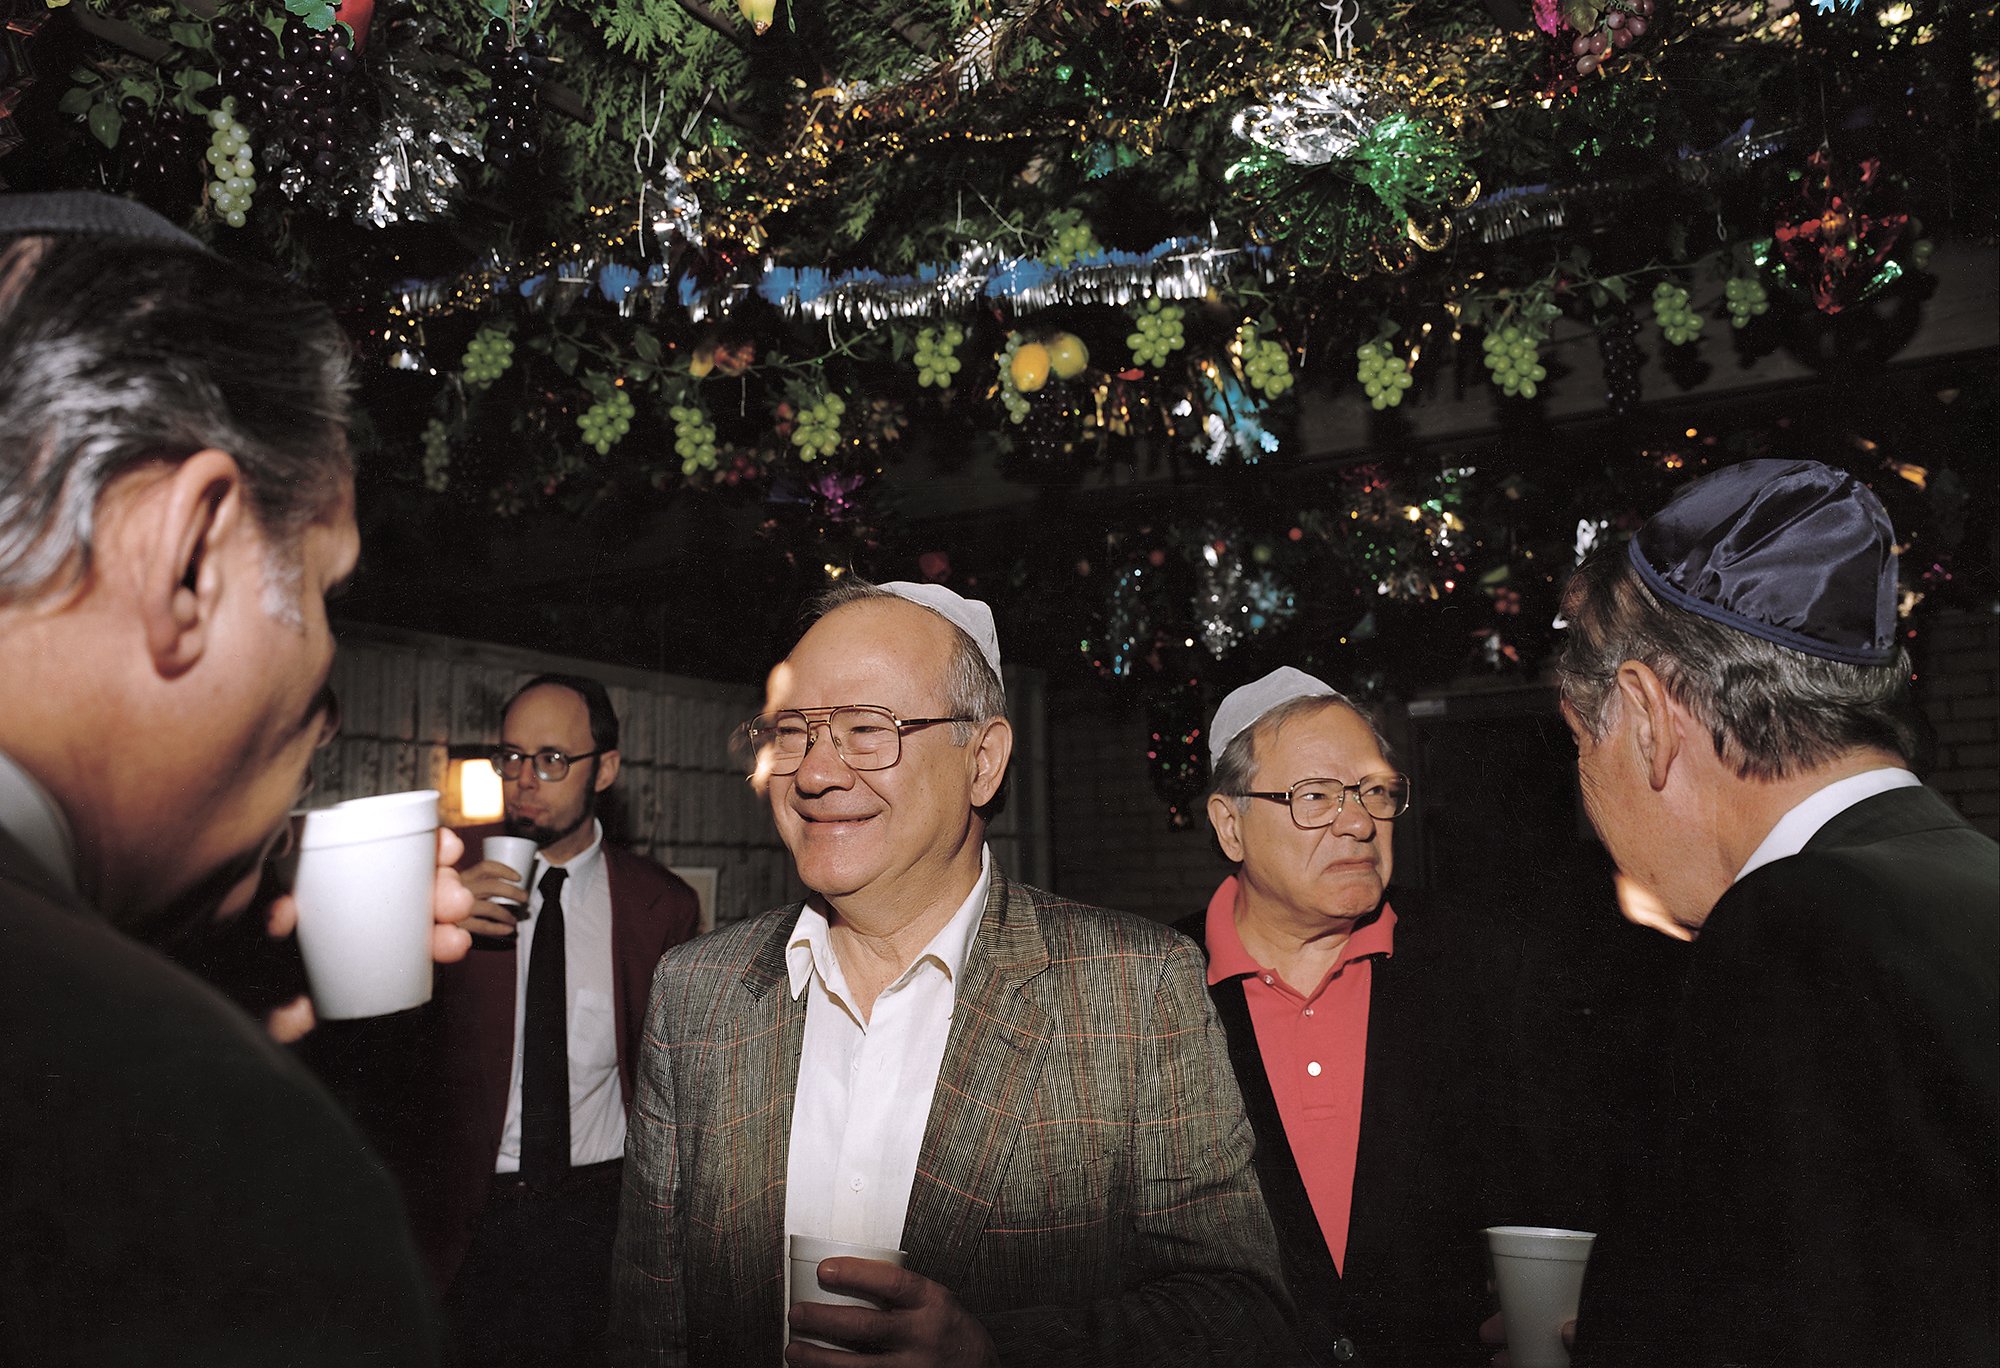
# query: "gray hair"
971, 689
116, 354
1238, 761
1771, 711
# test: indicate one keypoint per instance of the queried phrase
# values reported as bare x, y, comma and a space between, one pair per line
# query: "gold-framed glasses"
1319, 802
864, 736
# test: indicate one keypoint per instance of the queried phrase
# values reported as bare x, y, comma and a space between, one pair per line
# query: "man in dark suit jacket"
1359, 1037
1831, 1169
525, 1255
176, 499
1027, 1097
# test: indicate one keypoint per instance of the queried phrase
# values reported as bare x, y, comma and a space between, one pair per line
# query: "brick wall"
681, 797
1958, 687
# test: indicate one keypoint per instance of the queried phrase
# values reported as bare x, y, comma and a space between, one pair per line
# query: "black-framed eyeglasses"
551, 766
1318, 802
865, 737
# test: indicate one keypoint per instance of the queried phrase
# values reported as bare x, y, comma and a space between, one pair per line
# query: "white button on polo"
855, 1182
1313, 1068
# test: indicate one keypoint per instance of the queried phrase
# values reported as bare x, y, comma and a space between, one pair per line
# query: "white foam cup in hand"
517, 853
1538, 1272
365, 870
802, 1276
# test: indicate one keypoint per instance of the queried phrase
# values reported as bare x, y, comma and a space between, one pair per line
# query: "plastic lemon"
1068, 356
1031, 367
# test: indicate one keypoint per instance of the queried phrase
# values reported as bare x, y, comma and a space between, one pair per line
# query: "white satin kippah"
970, 616
1241, 709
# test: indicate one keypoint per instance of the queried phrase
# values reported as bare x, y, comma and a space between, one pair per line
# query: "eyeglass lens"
551, 766
867, 738
1318, 802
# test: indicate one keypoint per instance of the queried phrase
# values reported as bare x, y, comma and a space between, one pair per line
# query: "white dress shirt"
1803, 822
31, 817
865, 1089
596, 1105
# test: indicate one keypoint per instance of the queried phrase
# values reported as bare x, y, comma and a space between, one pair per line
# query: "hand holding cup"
499, 884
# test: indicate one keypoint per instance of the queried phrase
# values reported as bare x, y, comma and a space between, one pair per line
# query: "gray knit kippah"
71, 213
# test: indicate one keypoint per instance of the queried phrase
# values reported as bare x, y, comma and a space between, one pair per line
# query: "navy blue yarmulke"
69, 213
1794, 552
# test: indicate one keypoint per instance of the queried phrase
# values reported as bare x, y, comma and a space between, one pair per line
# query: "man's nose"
1354, 820
527, 779
821, 768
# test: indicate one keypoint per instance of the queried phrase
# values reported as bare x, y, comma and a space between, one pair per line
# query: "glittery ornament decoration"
1829, 244
1180, 268
1309, 126
1127, 623
1222, 593
1412, 168
410, 173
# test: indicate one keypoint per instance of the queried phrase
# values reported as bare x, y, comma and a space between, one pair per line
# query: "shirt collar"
1227, 957
809, 951
584, 863
31, 817
1803, 822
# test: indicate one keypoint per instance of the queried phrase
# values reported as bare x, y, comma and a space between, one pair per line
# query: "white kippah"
970, 616
1241, 709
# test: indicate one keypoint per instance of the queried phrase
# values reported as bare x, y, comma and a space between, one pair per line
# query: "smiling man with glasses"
1027, 1097
1356, 1036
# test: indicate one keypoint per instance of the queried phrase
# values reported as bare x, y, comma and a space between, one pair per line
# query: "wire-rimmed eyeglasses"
1319, 802
551, 765
864, 736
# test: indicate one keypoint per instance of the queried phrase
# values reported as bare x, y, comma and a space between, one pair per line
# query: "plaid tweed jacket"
1084, 1184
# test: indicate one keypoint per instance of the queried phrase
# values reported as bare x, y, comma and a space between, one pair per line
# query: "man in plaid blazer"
1030, 1098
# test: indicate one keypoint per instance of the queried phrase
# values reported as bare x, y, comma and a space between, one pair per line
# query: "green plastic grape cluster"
816, 433
936, 359
1514, 357
1011, 398
1266, 363
1073, 240
487, 356
437, 455
230, 163
1383, 374
1160, 333
1746, 298
605, 421
694, 438
1678, 323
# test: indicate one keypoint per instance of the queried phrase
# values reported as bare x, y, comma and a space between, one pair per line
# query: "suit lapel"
632, 977
763, 1045
993, 1059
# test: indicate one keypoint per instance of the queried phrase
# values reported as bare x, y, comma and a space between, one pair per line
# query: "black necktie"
545, 1046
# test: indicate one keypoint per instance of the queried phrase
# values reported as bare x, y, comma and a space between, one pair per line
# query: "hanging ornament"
1176, 749
1618, 349
1829, 243
420, 140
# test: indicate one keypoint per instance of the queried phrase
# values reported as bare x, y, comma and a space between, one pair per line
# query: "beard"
543, 835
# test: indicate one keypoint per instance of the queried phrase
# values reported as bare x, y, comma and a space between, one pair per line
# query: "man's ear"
1658, 722
607, 770
181, 522
1226, 818
991, 750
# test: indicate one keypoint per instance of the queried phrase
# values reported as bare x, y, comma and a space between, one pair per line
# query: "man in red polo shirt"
1356, 1036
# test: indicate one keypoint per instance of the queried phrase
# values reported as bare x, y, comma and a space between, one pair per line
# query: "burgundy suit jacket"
472, 1034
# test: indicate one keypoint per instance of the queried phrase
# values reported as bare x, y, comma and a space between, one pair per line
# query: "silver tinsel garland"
1318, 123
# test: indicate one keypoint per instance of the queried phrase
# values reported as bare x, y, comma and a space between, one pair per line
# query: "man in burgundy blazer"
524, 1267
